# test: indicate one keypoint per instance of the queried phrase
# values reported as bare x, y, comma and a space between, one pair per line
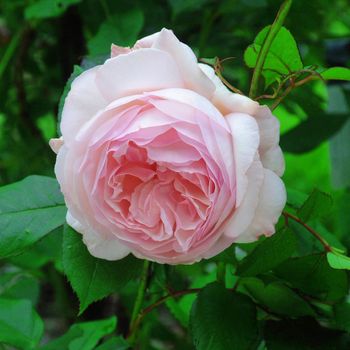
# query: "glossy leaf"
83, 336
323, 126
338, 261
20, 325
29, 209
222, 319
277, 297
268, 254
91, 278
336, 73
283, 57
312, 275
317, 204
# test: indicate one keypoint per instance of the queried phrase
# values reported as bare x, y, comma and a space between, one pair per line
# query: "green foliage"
338, 260
324, 125
317, 204
336, 73
114, 343
29, 210
283, 57
277, 297
83, 336
122, 29
222, 319
268, 254
91, 278
20, 325
312, 275
47, 8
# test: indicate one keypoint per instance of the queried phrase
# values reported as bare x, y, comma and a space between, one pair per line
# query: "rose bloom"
159, 159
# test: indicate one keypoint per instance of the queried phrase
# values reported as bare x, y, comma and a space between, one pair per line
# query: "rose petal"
245, 135
83, 101
139, 71
111, 249
186, 60
272, 199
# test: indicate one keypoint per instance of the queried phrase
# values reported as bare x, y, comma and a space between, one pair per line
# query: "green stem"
138, 302
221, 272
274, 29
9, 52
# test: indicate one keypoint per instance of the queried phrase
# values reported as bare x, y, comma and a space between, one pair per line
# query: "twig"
138, 302
160, 301
326, 246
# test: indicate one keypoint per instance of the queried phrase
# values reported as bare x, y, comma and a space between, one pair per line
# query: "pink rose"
160, 160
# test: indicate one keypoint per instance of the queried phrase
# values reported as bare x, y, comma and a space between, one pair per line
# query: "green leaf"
268, 254
91, 278
299, 139
342, 316
48, 249
47, 8
303, 334
222, 319
336, 73
77, 70
295, 199
83, 336
122, 29
20, 325
114, 343
283, 57
277, 297
313, 275
19, 285
338, 261
29, 209
317, 204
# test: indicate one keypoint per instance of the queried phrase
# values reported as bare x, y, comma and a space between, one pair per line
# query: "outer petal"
270, 152
272, 199
56, 144
224, 99
136, 72
186, 60
111, 249
245, 134
269, 127
244, 214
83, 101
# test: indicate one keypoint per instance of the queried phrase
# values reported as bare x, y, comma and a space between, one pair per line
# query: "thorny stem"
326, 246
292, 86
274, 29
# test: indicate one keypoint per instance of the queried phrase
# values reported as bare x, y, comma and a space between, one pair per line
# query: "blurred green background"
41, 41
